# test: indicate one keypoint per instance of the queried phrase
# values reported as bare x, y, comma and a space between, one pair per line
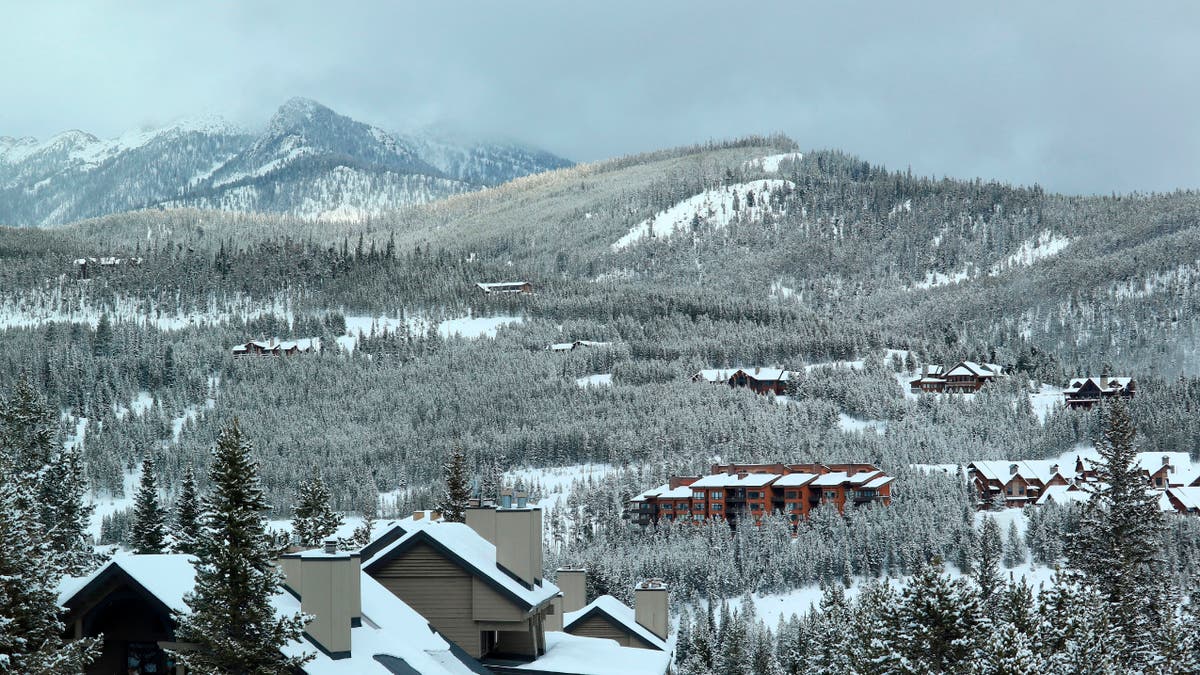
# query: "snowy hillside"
714, 208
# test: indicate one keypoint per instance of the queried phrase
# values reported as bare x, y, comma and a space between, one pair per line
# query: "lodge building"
732, 492
964, 377
1085, 392
758, 380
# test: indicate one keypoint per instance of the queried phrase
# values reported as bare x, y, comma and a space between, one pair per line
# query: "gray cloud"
1077, 96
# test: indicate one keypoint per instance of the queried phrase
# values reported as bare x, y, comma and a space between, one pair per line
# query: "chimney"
417, 515
1053, 470
506, 499
328, 583
573, 584
435, 515
650, 607
1166, 460
519, 543
1012, 469
483, 520
554, 618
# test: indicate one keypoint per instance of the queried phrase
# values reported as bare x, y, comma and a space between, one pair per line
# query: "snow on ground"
1046, 244
934, 279
556, 482
475, 327
778, 290
936, 468
714, 207
854, 424
770, 163
139, 405
597, 380
107, 504
1045, 400
33, 309
853, 365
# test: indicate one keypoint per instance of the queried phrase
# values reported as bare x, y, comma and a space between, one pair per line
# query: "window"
1021, 490
793, 507
697, 494
1008, 490
753, 495
791, 494
756, 507
666, 507
830, 494
717, 507
1158, 482
644, 506
716, 494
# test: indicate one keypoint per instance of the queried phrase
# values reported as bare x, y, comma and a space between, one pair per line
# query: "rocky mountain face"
309, 162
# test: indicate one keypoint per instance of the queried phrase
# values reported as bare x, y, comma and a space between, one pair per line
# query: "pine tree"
938, 623
149, 518
187, 516
369, 508
314, 519
453, 504
231, 617
986, 570
1014, 548
1119, 543
30, 630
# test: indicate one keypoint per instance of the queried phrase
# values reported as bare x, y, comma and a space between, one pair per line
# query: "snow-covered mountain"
309, 162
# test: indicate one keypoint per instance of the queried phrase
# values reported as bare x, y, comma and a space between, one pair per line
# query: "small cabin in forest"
504, 287
759, 380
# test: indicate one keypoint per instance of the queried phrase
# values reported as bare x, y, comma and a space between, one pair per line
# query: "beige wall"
438, 590
573, 584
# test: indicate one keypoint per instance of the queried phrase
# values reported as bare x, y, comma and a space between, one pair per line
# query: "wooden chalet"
1020, 482
505, 287
1085, 392
277, 348
931, 380
759, 380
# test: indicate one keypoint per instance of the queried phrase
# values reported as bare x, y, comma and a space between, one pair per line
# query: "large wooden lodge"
735, 491
964, 377
759, 380
1085, 392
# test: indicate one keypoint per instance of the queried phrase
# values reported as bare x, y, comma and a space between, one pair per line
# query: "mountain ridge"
307, 162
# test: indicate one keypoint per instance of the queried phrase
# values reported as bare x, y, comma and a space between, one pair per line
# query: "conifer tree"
30, 630
369, 508
231, 615
149, 518
453, 504
1014, 547
314, 519
1118, 548
187, 516
986, 570
938, 623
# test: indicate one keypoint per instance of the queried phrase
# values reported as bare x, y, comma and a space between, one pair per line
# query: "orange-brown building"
736, 491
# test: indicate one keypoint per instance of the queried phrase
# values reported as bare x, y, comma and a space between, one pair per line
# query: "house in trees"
1020, 482
964, 377
733, 492
505, 287
1085, 392
357, 626
578, 344
759, 380
84, 267
277, 348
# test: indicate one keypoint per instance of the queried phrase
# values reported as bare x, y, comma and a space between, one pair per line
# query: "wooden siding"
488, 605
438, 589
600, 627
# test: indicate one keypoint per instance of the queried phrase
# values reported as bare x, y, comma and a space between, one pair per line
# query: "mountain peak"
298, 112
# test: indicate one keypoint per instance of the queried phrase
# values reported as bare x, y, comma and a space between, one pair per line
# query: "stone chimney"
650, 607
573, 584
1012, 469
329, 585
519, 543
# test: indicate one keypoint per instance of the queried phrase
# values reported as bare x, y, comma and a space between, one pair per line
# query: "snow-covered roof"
654, 492
795, 480
390, 628
830, 479
1063, 494
502, 286
619, 612
578, 655
476, 554
757, 479
680, 492
568, 346
1189, 497
975, 369
757, 373
1029, 469
879, 482
1104, 384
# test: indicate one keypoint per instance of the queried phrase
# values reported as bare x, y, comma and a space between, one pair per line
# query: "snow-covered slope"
714, 208
309, 162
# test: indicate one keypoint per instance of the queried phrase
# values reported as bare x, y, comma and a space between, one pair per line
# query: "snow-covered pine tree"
314, 519
187, 515
939, 624
231, 616
65, 514
1118, 548
149, 517
454, 502
1015, 552
30, 631
986, 570
369, 508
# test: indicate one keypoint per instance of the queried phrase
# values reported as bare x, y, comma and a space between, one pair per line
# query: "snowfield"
597, 380
715, 207
770, 163
1046, 245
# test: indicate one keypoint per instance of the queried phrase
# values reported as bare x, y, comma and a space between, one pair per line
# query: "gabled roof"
465, 547
760, 374
390, 628
1104, 384
1064, 494
502, 286
617, 613
1042, 470
1188, 497
972, 368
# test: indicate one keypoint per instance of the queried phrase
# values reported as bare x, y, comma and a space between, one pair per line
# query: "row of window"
700, 495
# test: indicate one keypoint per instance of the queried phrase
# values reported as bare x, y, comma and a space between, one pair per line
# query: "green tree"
231, 615
149, 517
314, 519
453, 504
187, 515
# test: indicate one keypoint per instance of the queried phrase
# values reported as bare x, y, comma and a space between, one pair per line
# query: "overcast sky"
1077, 96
